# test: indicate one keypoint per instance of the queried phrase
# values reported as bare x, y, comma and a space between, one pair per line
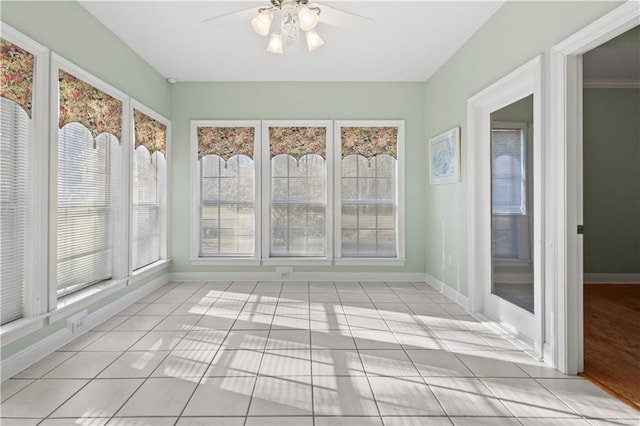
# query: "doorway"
611, 211
566, 183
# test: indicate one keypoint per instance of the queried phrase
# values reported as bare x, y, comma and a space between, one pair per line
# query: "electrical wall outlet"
284, 272
75, 322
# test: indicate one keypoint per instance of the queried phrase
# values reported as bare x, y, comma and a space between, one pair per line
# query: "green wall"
516, 33
72, 32
611, 180
297, 101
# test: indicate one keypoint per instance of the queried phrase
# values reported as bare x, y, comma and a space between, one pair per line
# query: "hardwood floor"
612, 339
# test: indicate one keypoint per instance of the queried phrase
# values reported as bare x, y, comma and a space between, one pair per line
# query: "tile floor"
299, 353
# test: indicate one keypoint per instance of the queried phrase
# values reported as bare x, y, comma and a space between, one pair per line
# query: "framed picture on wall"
444, 157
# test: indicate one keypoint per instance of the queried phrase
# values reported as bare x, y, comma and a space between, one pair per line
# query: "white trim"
611, 278
520, 83
370, 261
508, 333
164, 199
196, 258
39, 350
121, 236
298, 276
298, 261
35, 290
266, 185
400, 189
22, 327
448, 292
565, 130
225, 261
611, 84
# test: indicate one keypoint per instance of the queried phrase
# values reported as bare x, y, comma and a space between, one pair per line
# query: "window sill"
297, 261
225, 261
20, 328
146, 271
79, 300
370, 261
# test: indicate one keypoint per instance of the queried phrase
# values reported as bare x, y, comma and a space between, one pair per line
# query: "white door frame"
564, 162
527, 329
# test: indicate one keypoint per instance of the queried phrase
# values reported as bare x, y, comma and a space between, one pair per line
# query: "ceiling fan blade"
225, 19
342, 18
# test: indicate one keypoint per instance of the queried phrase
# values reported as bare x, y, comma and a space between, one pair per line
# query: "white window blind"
148, 182
227, 206
298, 206
368, 206
14, 136
87, 172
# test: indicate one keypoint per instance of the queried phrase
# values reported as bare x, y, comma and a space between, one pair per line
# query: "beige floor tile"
83, 365
159, 397
100, 398
343, 396
134, 364
282, 396
40, 398
224, 396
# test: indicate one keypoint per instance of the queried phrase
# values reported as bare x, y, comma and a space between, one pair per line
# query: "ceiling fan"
292, 16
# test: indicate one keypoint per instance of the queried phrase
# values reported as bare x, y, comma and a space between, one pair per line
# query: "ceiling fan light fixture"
275, 43
262, 22
307, 17
313, 40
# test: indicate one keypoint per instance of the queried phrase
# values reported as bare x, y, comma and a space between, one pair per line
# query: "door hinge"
580, 229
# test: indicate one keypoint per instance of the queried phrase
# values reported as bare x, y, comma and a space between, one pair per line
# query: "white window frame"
266, 191
35, 296
195, 258
400, 258
164, 202
122, 222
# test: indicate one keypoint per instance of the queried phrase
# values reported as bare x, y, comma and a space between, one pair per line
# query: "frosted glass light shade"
313, 40
262, 22
307, 18
275, 43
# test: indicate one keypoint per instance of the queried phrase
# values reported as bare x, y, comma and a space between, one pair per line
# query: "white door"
505, 273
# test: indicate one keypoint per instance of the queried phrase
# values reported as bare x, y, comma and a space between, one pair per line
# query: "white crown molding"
611, 84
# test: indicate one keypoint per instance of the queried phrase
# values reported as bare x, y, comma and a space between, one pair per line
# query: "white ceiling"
408, 41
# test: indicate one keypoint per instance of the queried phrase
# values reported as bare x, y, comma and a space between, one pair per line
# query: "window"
226, 182
304, 189
17, 217
368, 191
149, 188
297, 189
89, 165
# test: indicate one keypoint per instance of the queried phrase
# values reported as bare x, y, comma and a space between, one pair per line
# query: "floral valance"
298, 141
82, 103
369, 141
149, 133
225, 142
16, 74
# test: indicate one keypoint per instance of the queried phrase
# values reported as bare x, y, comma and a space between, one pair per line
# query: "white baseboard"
448, 291
39, 350
504, 332
298, 276
611, 278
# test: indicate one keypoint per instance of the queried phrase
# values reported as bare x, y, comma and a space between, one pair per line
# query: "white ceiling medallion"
293, 15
